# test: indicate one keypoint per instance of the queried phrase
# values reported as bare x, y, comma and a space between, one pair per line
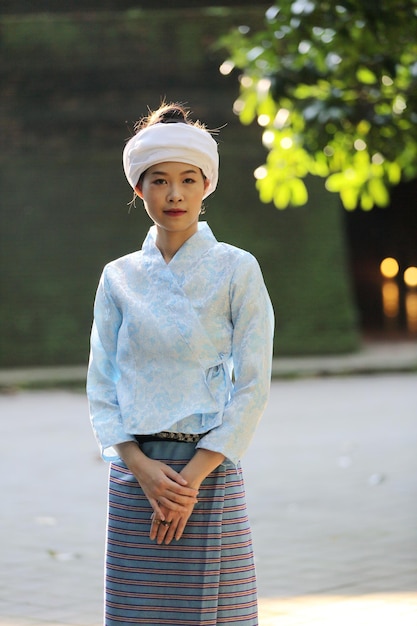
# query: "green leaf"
349, 198
335, 182
266, 187
248, 113
267, 107
299, 193
282, 195
394, 173
366, 201
364, 75
378, 192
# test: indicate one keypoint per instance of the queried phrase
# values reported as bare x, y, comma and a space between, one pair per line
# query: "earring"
203, 208
132, 203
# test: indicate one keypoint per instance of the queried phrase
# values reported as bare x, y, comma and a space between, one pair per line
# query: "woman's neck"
168, 242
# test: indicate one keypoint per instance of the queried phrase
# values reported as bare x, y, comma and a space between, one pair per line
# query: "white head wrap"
177, 142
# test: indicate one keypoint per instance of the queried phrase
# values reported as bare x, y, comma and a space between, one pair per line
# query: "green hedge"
63, 197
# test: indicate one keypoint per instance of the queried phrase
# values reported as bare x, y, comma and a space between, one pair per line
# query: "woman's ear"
138, 191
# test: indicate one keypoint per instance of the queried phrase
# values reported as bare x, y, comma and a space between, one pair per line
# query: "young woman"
178, 378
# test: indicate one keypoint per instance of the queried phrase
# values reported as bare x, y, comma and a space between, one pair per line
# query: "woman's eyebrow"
161, 173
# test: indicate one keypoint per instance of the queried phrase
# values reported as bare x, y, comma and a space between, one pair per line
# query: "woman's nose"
174, 194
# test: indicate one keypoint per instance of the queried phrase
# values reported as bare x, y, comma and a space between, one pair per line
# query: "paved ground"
331, 482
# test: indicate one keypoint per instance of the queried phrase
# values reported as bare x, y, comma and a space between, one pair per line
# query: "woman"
170, 323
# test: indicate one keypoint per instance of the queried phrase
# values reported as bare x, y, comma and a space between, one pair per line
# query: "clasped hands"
171, 498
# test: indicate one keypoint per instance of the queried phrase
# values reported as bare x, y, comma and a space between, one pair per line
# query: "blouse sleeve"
253, 328
103, 373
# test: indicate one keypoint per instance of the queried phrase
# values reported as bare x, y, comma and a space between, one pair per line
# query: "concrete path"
332, 491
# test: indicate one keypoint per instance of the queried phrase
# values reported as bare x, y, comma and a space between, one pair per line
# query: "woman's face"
172, 194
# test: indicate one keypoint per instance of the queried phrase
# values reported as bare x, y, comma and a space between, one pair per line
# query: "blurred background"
334, 458
75, 76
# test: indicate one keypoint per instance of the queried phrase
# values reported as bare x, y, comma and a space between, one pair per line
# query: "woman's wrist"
131, 454
200, 466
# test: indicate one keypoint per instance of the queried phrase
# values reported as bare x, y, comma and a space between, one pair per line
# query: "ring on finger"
165, 523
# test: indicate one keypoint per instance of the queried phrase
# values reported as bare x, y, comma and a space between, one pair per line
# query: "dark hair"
168, 113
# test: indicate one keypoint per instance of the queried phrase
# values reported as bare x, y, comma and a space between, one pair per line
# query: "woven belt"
164, 436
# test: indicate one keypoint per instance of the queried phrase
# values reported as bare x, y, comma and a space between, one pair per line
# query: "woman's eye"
159, 181
189, 180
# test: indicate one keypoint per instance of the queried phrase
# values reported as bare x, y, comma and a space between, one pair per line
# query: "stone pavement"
331, 482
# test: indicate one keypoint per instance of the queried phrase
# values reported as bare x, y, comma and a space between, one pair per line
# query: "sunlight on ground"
387, 609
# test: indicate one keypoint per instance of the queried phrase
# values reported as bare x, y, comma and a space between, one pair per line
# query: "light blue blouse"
168, 339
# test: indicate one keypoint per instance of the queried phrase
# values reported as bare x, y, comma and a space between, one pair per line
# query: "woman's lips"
175, 212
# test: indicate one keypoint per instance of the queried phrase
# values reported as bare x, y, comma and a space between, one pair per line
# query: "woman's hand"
162, 485
172, 495
166, 489
172, 526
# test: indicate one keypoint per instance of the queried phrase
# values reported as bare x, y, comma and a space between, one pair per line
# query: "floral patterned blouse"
181, 347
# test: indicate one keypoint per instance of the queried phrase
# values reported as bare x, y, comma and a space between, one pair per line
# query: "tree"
334, 86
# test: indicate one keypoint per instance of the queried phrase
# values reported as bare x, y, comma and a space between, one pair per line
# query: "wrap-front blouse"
169, 338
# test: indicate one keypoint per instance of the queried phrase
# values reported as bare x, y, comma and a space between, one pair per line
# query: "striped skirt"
207, 578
